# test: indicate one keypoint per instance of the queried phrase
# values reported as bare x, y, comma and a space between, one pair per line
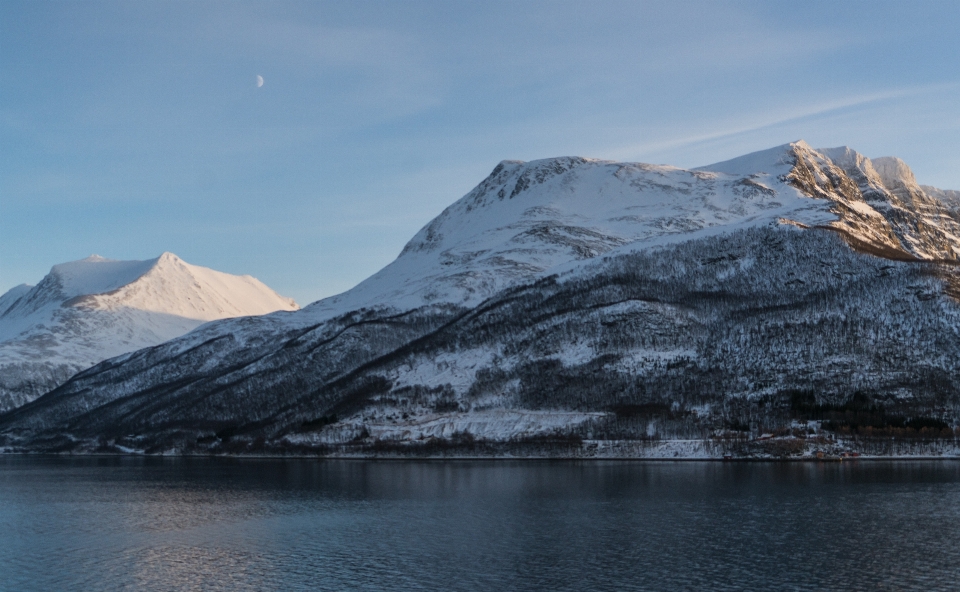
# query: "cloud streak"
754, 123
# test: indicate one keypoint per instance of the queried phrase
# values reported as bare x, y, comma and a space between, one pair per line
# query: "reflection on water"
108, 523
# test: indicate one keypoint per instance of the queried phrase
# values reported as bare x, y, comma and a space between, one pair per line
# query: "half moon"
259, 81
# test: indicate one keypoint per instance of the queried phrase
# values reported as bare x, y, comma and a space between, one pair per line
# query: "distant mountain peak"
844, 157
168, 256
94, 308
895, 173
95, 275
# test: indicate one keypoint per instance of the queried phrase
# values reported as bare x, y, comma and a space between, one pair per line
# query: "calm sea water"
224, 524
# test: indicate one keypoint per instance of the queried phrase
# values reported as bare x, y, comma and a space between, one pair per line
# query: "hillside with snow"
592, 307
86, 311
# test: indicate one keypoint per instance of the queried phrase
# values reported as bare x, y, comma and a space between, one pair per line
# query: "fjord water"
122, 523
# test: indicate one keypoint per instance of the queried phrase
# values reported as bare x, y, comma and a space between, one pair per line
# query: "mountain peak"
166, 284
858, 167
894, 172
170, 285
844, 155
96, 275
88, 310
778, 159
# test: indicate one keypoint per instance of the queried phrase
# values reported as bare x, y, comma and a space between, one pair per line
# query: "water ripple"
226, 524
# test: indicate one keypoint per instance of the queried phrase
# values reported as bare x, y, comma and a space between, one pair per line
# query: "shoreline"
452, 458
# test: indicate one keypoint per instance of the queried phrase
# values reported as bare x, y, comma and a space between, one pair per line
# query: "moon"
259, 81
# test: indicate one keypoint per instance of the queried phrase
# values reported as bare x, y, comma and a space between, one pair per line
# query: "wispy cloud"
751, 123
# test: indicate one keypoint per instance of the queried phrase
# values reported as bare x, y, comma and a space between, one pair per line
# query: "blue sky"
132, 128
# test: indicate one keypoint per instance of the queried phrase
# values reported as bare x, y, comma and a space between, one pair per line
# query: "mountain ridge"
619, 305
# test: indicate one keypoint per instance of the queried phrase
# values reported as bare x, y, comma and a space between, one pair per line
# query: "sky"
128, 129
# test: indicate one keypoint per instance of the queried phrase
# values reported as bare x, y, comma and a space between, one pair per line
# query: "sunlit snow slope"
85, 311
527, 219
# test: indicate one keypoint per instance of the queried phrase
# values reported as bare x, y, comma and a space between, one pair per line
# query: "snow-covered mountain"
605, 306
86, 311
527, 220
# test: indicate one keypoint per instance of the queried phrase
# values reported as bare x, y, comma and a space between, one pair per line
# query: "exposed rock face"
879, 204
949, 198
579, 301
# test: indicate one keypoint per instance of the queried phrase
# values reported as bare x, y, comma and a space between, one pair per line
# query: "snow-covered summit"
894, 172
531, 219
97, 274
779, 159
93, 275
85, 311
527, 219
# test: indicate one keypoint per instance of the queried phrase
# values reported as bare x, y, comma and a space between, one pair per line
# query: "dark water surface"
108, 523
